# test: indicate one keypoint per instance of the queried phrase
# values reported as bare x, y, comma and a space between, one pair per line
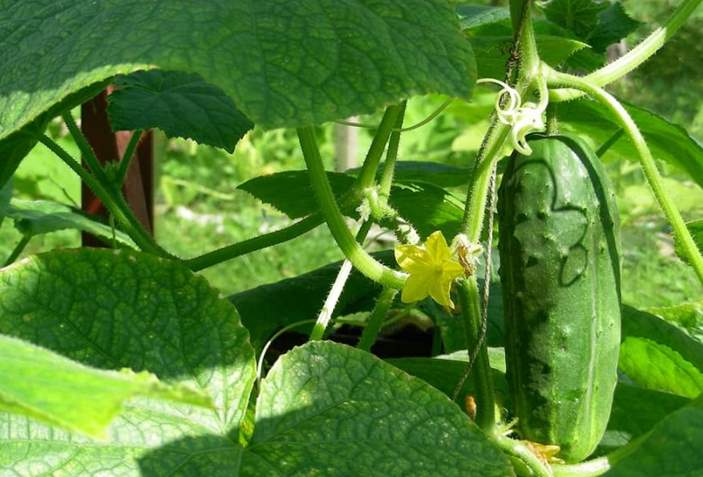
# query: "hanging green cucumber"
560, 272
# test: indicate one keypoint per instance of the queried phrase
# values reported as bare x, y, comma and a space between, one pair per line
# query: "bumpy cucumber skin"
560, 272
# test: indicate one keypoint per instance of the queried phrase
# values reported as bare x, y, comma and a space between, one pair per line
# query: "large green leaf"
53, 389
118, 309
613, 25
669, 142
36, 217
579, 16
330, 410
424, 205
640, 324
445, 372
282, 63
180, 104
635, 411
291, 193
672, 448
656, 366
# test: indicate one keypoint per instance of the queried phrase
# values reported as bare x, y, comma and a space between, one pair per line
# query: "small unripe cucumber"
560, 273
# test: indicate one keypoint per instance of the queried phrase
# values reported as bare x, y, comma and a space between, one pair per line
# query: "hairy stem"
114, 202
519, 450
635, 57
361, 260
471, 314
683, 235
244, 247
376, 318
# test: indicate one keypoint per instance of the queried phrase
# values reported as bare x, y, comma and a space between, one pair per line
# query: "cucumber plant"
124, 361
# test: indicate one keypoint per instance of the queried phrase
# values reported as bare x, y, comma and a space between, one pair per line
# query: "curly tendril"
522, 118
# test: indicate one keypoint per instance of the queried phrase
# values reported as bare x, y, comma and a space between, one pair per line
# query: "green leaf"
635, 412
669, 142
50, 388
444, 372
436, 173
180, 104
290, 191
473, 16
283, 64
267, 308
15, 147
579, 16
613, 25
687, 316
36, 217
640, 324
328, 409
492, 43
656, 366
672, 448
118, 309
426, 206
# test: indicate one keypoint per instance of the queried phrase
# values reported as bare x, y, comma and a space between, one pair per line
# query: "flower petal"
412, 258
437, 247
452, 269
417, 287
439, 291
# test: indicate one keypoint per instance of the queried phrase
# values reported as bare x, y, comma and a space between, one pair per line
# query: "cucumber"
560, 273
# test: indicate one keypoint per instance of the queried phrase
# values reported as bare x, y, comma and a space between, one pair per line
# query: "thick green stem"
363, 262
376, 318
471, 314
519, 450
683, 235
635, 57
129, 154
114, 202
325, 315
17, 251
257, 243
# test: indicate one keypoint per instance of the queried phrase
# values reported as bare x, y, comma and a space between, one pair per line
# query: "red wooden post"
109, 147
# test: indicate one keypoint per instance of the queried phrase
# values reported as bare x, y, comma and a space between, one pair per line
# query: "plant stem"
610, 142
17, 251
649, 166
330, 304
376, 318
367, 175
114, 202
471, 314
520, 451
635, 57
244, 247
129, 154
388, 172
366, 264
85, 148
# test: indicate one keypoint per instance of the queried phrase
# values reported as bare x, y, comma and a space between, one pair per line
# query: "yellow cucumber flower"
432, 269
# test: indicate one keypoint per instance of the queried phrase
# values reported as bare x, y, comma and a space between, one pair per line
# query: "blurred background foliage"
199, 208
